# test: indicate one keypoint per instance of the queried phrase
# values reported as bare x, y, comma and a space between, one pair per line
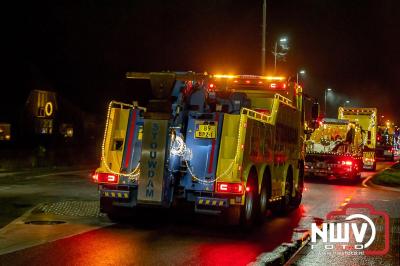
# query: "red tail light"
107, 178
95, 178
349, 163
230, 187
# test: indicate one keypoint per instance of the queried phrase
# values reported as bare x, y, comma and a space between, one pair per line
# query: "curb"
282, 254
372, 184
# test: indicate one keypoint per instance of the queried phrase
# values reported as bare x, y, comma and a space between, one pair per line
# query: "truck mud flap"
152, 165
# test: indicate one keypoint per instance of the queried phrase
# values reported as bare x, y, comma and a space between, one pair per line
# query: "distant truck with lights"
227, 144
334, 151
366, 120
388, 143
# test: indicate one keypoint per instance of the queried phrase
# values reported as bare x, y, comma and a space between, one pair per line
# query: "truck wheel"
263, 198
248, 210
284, 204
300, 187
263, 203
357, 178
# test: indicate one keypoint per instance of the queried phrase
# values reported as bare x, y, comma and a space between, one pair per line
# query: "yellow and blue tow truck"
223, 143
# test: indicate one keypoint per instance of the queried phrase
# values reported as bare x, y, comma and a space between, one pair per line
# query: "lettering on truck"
152, 163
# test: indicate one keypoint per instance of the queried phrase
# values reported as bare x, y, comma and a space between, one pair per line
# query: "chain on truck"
227, 144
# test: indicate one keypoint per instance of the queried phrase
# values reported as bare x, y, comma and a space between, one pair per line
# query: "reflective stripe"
130, 140
211, 162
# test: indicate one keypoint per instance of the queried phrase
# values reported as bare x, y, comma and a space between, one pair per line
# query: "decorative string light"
181, 149
136, 172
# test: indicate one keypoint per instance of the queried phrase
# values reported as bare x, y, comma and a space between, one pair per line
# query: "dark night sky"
81, 49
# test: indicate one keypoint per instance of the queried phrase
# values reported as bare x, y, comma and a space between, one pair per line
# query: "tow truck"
366, 119
334, 151
226, 144
388, 143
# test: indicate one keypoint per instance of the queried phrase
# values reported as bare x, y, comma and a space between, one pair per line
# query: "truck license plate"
205, 131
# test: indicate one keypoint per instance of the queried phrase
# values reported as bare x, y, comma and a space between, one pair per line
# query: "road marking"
364, 183
60, 173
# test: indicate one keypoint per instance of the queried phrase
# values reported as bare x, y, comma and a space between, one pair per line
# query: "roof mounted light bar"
270, 78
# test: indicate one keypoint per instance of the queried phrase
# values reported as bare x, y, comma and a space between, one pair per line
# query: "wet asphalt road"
21, 191
171, 238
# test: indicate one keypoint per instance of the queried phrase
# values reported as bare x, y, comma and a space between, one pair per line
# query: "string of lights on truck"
181, 149
136, 172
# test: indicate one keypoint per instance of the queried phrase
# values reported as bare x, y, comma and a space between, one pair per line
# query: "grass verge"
388, 177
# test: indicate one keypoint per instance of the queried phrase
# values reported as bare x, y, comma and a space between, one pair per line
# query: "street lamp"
346, 102
326, 91
283, 43
302, 73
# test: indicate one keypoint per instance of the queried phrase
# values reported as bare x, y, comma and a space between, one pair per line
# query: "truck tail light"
95, 177
347, 162
230, 187
107, 178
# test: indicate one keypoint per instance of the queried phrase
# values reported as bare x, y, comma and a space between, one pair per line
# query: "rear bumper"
368, 166
330, 174
118, 197
210, 203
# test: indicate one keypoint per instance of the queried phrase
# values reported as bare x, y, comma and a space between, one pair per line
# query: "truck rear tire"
357, 178
300, 187
284, 205
263, 198
247, 213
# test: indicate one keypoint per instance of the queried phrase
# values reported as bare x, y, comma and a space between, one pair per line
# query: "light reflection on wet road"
164, 239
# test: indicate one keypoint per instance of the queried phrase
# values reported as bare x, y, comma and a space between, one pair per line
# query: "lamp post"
264, 26
326, 91
301, 72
